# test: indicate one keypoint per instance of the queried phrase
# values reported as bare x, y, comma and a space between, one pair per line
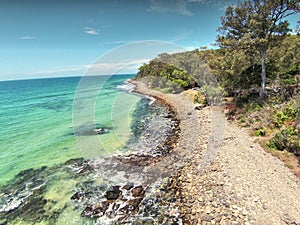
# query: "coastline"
127, 186
224, 176
207, 171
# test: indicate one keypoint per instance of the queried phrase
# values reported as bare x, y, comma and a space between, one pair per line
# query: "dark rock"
138, 160
113, 193
88, 211
169, 116
33, 209
100, 209
172, 199
101, 131
128, 186
199, 107
95, 210
77, 196
133, 204
137, 191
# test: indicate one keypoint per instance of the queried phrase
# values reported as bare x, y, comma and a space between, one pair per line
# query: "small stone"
207, 210
77, 196
265, 207
174, 213
223, 222
227, 205
244, 213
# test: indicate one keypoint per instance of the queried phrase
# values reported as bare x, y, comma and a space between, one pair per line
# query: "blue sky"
43, 38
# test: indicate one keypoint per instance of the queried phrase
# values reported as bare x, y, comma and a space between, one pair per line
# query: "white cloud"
27, 38
91, 30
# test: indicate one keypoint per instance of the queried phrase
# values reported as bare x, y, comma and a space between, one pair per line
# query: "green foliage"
289, 76
200, 98
165, 76
292, 110
259, 132
287, 139
213, 93
279, 119
256, 25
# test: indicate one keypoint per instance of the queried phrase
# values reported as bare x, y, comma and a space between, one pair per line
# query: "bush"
200, 98
260, 132
287, 139
279, 119
289, 76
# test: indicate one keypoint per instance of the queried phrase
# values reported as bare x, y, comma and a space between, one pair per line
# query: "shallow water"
36, 121
38, 170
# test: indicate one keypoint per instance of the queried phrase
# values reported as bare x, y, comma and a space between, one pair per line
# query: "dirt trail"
227, 178
244, 184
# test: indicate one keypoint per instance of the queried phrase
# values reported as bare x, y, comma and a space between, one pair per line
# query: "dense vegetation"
256, 68
161, 74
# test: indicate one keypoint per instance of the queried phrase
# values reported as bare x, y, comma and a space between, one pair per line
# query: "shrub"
279, 119
285, 140
260, 132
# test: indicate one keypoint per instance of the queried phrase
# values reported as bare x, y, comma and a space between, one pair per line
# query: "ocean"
36, 121
52, 133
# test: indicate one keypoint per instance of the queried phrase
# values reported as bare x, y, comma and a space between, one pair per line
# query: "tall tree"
256, 24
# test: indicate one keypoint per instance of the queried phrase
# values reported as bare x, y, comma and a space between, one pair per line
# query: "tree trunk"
263, 53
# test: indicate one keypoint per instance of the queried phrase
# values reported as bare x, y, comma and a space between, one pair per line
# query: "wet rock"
33, 209
128, 186
137, 191
100, 131
95, 210
89, 129
133, 204
77, 196
113, 193
138, 160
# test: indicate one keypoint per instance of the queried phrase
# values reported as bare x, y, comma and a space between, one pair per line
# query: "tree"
257, 25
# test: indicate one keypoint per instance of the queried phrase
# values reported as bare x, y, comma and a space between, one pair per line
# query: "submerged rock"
97, 210
77, 196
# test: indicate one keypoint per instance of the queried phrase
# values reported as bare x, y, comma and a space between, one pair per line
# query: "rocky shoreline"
207, 171
125, 193
225, 177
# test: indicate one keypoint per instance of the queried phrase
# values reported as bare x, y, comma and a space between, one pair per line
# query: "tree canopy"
257, 25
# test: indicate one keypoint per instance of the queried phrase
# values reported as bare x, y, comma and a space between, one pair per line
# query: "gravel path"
244, 184
227, 178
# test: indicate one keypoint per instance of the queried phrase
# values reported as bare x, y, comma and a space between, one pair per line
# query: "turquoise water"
37, 126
